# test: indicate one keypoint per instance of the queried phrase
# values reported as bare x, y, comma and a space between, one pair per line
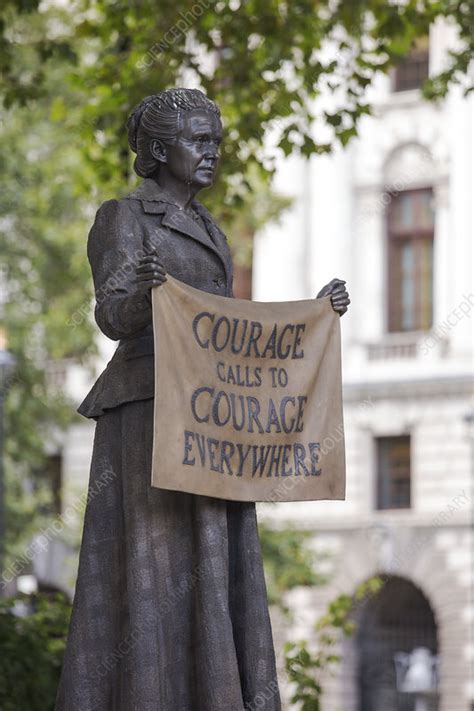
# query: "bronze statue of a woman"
170, 611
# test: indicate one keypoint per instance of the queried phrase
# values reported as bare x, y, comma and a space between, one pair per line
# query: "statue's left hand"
336, 289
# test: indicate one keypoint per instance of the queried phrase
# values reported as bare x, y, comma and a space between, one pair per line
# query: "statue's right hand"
150, 272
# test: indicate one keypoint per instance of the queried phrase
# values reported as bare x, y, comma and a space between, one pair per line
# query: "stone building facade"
393, 215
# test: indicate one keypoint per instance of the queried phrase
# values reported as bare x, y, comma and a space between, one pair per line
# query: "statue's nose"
212, 151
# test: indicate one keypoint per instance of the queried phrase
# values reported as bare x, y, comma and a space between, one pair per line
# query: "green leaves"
47, 315
32, 651
288, 560
307, 664
259, 60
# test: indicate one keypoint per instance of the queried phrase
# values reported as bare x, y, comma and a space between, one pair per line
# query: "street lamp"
7, 365
417, 674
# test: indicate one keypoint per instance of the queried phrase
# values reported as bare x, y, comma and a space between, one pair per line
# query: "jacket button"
219, 282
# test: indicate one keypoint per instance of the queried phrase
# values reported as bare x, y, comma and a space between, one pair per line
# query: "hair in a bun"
158, 117
134, 119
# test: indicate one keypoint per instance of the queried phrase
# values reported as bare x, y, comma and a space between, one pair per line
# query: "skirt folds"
170, 611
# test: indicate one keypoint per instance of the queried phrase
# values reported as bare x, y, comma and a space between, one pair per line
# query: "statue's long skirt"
170, 611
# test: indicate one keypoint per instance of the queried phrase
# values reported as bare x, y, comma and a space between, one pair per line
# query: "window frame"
384, 499
416, 236
418, 57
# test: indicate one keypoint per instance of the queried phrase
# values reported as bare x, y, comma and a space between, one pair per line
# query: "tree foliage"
308, 664
46, 307
266, 62
32, 639
289, 562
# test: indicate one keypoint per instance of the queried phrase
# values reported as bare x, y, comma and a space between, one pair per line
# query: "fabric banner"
248, 397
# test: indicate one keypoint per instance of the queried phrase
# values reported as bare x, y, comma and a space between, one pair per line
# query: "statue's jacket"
192, 249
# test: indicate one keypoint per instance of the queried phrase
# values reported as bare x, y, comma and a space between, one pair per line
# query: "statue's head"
176, 133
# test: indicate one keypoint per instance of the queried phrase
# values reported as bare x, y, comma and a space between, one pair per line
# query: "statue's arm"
115, 250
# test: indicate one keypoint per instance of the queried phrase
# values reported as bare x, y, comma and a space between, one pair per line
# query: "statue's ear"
158, 150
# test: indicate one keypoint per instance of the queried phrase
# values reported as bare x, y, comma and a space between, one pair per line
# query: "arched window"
398, 619
409, 175
410, 223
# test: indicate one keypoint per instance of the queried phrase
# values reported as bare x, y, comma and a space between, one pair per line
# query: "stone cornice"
406, 389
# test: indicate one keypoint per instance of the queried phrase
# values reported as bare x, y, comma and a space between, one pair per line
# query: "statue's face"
194, 157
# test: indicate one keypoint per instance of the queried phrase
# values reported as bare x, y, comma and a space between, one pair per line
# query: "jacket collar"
150, 192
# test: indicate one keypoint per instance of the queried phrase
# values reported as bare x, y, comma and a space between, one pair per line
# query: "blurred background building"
393, 215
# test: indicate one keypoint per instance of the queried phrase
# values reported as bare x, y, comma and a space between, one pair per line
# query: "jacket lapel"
178, 220
219, 239
154, 202
217, 236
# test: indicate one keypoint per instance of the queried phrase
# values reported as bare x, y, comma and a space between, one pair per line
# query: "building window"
412, 71
393, 473
410, 222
